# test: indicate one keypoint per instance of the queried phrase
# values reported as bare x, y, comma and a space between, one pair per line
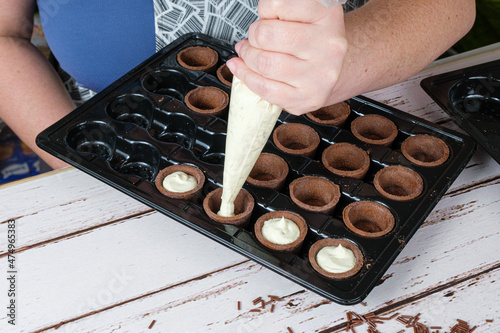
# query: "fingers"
272, 65
295, 100
296, 38
282, 36
307, 11
293, 55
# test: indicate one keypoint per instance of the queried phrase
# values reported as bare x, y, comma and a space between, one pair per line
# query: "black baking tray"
156, 130
471, 96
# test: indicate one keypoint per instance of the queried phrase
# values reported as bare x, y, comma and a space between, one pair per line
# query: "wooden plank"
130, 275
86, 204
165, 261
471, 299
409, 97
111, 264
211, 306
50, 207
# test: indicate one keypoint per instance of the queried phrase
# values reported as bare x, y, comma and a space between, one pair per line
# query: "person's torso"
97, 41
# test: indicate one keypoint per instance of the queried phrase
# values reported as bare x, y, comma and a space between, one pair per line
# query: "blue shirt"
97, 41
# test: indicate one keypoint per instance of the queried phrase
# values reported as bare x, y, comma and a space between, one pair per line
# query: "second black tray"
471, 96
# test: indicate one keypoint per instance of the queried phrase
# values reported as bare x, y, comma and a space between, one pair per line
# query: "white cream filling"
335, 259
280, 231
179, 181
250, 122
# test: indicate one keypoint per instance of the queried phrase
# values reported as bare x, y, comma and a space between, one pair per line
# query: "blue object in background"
98, 41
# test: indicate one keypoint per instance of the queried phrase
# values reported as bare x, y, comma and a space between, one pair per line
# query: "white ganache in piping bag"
250, 122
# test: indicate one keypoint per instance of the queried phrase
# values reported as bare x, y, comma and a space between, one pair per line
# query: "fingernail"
237, 47
231, 65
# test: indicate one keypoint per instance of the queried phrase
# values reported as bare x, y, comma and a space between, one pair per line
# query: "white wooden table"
91, 259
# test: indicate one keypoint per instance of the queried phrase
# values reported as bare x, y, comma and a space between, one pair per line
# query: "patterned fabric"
78, 94
353, 4
224, 19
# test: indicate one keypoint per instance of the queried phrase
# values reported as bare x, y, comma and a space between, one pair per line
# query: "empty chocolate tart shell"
291, 247
243, 207
398, 183
225, 75
296, 139
198, 58
368, 219
346, 160
316, 247
269, 171
188, 169
374, 129
315, 194
425, 150
208, 100
334, 115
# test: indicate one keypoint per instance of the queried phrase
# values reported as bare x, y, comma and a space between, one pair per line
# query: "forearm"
32, 96
391, 40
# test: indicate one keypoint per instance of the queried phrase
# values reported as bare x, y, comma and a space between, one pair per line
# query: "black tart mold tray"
471, 96
139, 125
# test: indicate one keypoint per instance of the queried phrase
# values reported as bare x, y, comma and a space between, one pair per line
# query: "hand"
293, 55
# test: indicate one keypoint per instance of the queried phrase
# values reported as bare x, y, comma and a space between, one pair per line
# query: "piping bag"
251, 120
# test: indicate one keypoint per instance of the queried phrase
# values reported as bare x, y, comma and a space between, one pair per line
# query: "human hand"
293, 55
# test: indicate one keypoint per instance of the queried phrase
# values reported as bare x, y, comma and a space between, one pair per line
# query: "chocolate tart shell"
292, 247
398, 183
374, 129
334, 115
315, 194
368, 219
198, 58
296, 139
313, 251
188, 169
243, 207
269, 171
225, 75
346, 160
208, 100
425, 150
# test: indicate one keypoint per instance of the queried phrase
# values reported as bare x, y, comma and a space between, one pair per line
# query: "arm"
32, 96
412, 34
301, 56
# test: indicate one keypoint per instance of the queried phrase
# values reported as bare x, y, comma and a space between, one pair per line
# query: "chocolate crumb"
272, 308
255, 310
363, 303
59, 325
239, 305
257, 300
289, 330
462, 327
489, 320
152, 324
